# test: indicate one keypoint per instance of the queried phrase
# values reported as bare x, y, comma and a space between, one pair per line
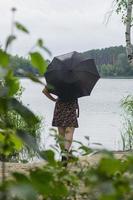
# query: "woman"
65, 119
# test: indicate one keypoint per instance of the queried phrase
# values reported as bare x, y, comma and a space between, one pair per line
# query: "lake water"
100, 114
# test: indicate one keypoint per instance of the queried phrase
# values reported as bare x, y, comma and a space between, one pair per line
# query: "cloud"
64, 25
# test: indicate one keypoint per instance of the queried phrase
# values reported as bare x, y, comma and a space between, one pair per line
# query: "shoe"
64, 157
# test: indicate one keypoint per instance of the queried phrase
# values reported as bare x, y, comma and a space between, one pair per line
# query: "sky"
64, 25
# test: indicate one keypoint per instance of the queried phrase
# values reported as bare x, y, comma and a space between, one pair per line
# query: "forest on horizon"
111, 62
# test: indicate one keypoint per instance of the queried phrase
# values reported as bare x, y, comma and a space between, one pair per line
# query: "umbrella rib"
97, 75
60, 61
88, 59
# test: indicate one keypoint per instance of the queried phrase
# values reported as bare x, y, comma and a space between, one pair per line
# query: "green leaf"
48, 155
16, 141
108, 197
41, 45
42, 181
40, 42
3, 105
29, 140
21, 27
4, 58
12, 83
9, 40
59, 191
29, 117
109, 166
11, 142
21, 178
2, 137
38, 62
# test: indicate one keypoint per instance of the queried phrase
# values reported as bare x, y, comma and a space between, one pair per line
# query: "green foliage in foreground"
26, 153
18, 124
127, 132
110, 179
17, 121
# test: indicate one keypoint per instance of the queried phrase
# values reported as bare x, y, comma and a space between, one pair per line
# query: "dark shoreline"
109, 77
118, 77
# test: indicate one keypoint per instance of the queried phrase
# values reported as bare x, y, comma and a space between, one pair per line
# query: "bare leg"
61, 131
69, 137
65, 142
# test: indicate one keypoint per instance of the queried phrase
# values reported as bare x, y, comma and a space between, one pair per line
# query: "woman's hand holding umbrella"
46, 92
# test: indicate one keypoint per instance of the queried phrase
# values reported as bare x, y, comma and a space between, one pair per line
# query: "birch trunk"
129, 48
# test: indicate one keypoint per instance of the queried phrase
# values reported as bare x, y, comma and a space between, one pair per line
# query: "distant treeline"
111, 62
22, 65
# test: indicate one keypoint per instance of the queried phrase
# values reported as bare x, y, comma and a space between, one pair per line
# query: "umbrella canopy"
71, 76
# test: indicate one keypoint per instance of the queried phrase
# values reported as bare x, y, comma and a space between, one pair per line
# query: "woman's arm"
46, 92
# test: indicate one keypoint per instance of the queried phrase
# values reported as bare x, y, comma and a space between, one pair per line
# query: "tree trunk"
129, 48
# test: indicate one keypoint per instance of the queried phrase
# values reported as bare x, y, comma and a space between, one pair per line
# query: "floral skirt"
65, 114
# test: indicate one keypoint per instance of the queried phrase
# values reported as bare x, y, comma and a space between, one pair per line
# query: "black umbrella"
71, 76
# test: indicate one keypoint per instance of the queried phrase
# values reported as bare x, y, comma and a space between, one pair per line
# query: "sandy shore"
92, 159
